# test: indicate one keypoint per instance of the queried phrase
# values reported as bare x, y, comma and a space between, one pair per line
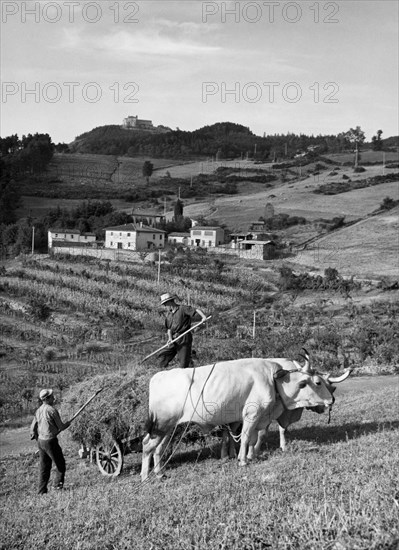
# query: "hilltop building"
136, 123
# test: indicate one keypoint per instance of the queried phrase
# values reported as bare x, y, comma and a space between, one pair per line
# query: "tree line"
221, 140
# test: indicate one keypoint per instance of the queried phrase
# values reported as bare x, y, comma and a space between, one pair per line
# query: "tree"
269, 211
148, 169
178, 210
377, 141
357, 137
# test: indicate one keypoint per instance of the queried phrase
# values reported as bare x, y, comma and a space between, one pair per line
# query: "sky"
312, 67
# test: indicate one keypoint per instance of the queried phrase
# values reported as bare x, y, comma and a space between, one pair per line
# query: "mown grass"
337, 487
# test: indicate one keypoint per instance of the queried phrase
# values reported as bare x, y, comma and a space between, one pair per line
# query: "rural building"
206, 236
262, 250
179, 238
258, 226
135, 123
146, 218
134, 237
70, 236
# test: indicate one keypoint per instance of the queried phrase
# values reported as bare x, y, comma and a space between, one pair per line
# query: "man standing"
178, 321
45, 427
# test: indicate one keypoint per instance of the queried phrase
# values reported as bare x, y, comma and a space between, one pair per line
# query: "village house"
146, 218
261, 250
179, 238
258, 226
71, 236
206, 236
134, 237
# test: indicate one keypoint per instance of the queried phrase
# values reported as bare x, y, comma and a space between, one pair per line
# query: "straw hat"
167, 298
45, 393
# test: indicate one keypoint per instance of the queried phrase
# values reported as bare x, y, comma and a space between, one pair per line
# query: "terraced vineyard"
65, 319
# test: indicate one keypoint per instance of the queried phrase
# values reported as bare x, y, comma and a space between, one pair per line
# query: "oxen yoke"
242, 390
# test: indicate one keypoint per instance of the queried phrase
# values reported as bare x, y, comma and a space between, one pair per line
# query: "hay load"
118, 412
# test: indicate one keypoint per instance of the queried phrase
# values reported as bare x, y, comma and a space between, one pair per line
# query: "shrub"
39, 309
388, 203
359, 169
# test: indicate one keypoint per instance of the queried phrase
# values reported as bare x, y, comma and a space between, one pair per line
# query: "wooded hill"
224, 140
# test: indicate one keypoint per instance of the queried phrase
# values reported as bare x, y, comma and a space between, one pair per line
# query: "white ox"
288, 417
251, 391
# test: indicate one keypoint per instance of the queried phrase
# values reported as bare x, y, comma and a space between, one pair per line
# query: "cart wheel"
109, 459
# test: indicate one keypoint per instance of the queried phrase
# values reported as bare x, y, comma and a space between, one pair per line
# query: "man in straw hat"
45, 427
178, 321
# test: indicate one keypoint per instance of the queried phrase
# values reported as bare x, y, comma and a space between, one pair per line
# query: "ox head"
306, 387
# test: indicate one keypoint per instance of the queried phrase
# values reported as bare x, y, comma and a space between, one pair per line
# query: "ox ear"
280, 374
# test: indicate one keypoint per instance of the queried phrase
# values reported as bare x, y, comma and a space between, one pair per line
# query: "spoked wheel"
109, 459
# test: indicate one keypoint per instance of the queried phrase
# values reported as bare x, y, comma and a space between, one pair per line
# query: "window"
128, 234
210, 243
112, 233
160, 237
56, 234
120, 234
208, 233
128, 244
71, 236
111, 243
153, 237
196, 232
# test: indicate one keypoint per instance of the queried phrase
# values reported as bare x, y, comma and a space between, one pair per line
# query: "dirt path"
17, 441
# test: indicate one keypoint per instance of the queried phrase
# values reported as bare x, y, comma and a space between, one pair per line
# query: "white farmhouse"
133, 237
70, 236
179, 238
206, 237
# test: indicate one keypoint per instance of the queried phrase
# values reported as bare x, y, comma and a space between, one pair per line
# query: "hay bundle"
118, 412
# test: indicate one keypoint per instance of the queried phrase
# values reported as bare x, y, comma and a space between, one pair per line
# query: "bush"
359, 169
388, 203
39, 309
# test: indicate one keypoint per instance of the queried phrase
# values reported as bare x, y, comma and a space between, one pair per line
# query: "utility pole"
159, 265
191, 182
254, 326
164, 206
33, 239
383, 164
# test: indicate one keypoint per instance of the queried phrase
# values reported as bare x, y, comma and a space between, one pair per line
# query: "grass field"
366, 156
366, 249
296, 199
336, 487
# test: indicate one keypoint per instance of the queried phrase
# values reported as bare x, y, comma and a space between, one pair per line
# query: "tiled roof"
206, 228
70, 231
131, 227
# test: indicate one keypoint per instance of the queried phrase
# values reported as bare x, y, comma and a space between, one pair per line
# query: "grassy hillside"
366, 249
335, 487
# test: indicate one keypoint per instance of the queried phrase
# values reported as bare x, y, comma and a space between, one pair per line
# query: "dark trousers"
183, 352
49, 452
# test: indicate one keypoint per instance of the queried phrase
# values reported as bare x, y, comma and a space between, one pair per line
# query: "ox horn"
337, 379
306, 367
